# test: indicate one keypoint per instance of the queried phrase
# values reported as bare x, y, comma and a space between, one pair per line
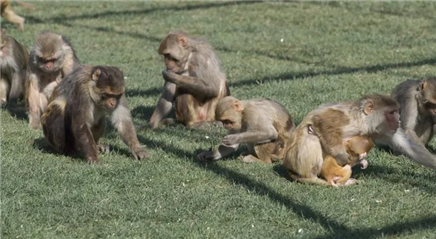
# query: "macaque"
8, 13
51, 59
417, 100
194, 82
357, 147
13, 61
75, 117
263, 124
323, 131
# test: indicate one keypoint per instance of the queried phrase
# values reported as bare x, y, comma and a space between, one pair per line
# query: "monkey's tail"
412, 149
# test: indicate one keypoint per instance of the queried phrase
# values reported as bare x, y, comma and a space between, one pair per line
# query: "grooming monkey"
75, 118
263, 124
13, 61
417, 100
8, 13
373, 115
194, 82
51, 59
357, 147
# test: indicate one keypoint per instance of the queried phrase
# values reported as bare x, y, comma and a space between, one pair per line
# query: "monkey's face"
50, 62
392, 120
231, 119
172, 64
109, 101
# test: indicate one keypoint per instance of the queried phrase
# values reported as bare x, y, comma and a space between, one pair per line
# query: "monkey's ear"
182, 40
238, 106
369, 107
423, 85
96, 74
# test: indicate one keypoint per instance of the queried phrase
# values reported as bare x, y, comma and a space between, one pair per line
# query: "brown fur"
13, 61
304, 156
51, 59
75, 117
9, 14
194, 81
264, 125
356, 147
417, 100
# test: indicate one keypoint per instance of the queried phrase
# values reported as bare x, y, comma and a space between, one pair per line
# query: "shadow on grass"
44, 146
17, 110
155, 91
142, 112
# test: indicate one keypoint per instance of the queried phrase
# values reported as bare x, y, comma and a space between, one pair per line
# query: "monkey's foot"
103, 148
352, 181
140, 154
249, 159
35, 125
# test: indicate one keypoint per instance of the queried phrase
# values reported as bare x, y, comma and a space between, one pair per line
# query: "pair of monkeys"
68, 100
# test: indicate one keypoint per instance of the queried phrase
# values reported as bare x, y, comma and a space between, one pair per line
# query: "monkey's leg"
11, 16
314, 180
4, 87
263, 152
97, 132
346, 174
53, 126
16, 86
33, 104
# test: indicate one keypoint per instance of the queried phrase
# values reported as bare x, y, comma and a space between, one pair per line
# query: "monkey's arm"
194, 85
83, 138
255, 137
220, 152
164, 104
122, 120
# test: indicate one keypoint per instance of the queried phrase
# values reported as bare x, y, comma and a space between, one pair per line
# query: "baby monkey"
75, 117
263, 124
13, 61
357, 147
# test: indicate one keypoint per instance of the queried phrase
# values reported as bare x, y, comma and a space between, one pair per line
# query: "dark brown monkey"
13, 61
357, 147
372, 115
264, 125
51, 59
194, 82
417, 100
75, 117
8, 13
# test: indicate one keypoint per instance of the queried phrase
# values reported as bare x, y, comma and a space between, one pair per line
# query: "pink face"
392, 119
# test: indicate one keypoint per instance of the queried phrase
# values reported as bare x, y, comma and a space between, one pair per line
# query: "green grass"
330, 51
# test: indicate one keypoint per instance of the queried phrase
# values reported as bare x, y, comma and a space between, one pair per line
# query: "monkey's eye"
169, 57
430, 105
227, 122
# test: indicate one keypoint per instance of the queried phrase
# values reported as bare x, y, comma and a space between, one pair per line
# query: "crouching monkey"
194, 82
13, 61
75, 117
264, 125
357, 147
373, 116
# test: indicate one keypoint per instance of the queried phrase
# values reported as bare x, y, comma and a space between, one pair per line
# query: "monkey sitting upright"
264, 125
75, 117
357, 148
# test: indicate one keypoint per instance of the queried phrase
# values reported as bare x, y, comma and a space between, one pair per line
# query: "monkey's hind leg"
97, 132
53, 126
314, 180
12, 17
4, 88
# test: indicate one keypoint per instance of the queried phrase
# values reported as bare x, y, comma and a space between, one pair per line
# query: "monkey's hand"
363, 164
230, 139
362, 156
206, 155
140, 154
170, 76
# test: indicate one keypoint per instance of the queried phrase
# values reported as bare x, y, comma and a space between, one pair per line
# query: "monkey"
75, 117
194, 82
13, 61
8, 13
357, 147
417, 100
263, 124
51, 59
373, 115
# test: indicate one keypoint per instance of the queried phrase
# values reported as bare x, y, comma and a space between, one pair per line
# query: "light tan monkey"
417, 99
357, 147
51, 59
194, 82
263, 124
75, 118
13, 61
8, 13
372, 115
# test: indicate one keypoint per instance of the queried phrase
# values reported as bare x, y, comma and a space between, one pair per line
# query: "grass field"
301, 54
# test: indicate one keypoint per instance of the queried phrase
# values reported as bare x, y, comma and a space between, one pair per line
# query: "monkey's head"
3, 38
427, 90
109, 85
380, 113
176, 49
229, 112
50, 51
